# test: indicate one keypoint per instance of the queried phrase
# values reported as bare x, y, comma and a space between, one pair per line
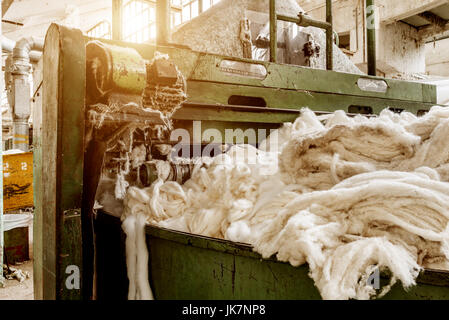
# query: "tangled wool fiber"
137, 258
345, 195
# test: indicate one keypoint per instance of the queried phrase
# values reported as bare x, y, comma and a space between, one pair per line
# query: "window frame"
107, 35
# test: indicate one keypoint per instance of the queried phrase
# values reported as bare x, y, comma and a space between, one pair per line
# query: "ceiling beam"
5, 6
393, 11
433, 18
433, 31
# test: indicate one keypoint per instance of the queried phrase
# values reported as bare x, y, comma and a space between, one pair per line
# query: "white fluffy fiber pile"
347, 195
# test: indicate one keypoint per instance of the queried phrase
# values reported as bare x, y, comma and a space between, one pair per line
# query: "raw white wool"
138, 156
346, 195
137, 258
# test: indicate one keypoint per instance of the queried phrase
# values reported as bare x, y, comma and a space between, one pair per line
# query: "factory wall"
217, 30
399, 51
437, 58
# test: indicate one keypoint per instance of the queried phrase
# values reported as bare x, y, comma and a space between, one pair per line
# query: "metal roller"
113, 68
180, 173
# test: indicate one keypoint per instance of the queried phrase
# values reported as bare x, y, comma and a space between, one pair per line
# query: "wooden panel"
18, 181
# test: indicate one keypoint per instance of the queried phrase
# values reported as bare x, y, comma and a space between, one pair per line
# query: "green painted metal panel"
38, 232
188, 272
232, 114
70, 154
59, 162
206, 268
189, 267
71, 254
291, 99
199, 66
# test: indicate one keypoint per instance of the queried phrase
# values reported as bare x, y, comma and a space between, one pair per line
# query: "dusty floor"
14, 290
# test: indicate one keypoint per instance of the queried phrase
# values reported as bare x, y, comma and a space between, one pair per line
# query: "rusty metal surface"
16, 245
18, 181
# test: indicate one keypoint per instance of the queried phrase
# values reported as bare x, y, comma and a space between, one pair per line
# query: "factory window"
139, 21
344, 40
139, 17
100, 30
176, 12
209, 3
191, 8
344, 43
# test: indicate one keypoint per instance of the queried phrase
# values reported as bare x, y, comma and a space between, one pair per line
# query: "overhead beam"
5, 6
433, 18
393, 11
433, 31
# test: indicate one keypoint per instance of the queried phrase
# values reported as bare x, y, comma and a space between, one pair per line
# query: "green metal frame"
371, 39
189, 267
58, 164
60, 172
309, 84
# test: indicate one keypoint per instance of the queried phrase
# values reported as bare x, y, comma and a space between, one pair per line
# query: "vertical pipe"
371, 37
21, 135
200, 7
329, 37
162, 22
117, 20
273, 31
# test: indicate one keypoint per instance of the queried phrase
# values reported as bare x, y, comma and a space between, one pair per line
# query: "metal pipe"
8, 45
21, 98
305, 21
371, 37
273, 31
329, 37
35, 56
24, 46
163, 22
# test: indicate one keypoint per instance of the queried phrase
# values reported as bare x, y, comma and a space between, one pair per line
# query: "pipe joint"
24, 46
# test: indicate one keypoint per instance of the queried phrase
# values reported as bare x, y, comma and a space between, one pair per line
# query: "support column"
273, 31
329, 37
117, 8
371, 37
162, 22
